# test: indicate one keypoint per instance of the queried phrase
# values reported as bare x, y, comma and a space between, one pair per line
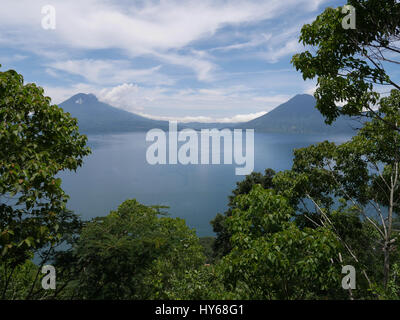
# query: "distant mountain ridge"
97, 117
298, 115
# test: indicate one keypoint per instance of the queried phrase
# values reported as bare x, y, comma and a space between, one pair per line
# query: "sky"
208, 60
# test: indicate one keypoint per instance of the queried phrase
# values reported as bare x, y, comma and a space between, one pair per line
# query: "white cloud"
274, 54
256, 41
106, 72
133, 98
130, 97
220, 104
59, 94
156, 28
13, 58
284, 42
310, 89
203, 119
153, 45
202, 67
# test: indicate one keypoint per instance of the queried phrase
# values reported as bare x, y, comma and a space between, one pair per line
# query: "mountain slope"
299, 115
98, 117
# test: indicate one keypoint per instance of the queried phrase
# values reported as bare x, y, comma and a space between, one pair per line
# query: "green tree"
222, 245
38, 140
133, 253
338, 205
208, 244
352, 65
271, 257
20, 283
363, 176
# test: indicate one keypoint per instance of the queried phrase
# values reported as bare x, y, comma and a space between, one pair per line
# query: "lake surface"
117, 170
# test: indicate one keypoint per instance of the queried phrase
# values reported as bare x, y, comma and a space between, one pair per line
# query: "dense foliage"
37, 141
133, 253
285, 235
352, 66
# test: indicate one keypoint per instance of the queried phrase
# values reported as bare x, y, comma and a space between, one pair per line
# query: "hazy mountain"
299, 115
98, 117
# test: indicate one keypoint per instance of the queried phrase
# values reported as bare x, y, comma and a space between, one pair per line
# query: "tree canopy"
37, 140
353, 67
133, 253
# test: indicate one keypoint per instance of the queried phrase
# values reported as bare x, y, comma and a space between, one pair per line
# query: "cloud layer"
215, 59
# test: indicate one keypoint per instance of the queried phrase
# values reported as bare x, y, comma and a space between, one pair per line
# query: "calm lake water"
117, 170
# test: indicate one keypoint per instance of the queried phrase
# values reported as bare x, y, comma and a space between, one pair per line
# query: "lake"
117, 170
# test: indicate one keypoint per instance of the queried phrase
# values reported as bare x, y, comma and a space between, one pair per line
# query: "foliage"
208, 243
351, 65
133, 253
272, 256
286, 235
222, 245
343, 197
362, 175
205, 283
38, 140
393, 289
20, 282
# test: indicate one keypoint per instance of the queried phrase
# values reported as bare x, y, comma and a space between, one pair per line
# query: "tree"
337, 206
356, 67
208, 243
222, 244
271, 257
38, 140
352, 66
363, 174
133, 254
20, 283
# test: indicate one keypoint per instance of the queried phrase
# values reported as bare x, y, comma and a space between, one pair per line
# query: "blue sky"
186, 60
